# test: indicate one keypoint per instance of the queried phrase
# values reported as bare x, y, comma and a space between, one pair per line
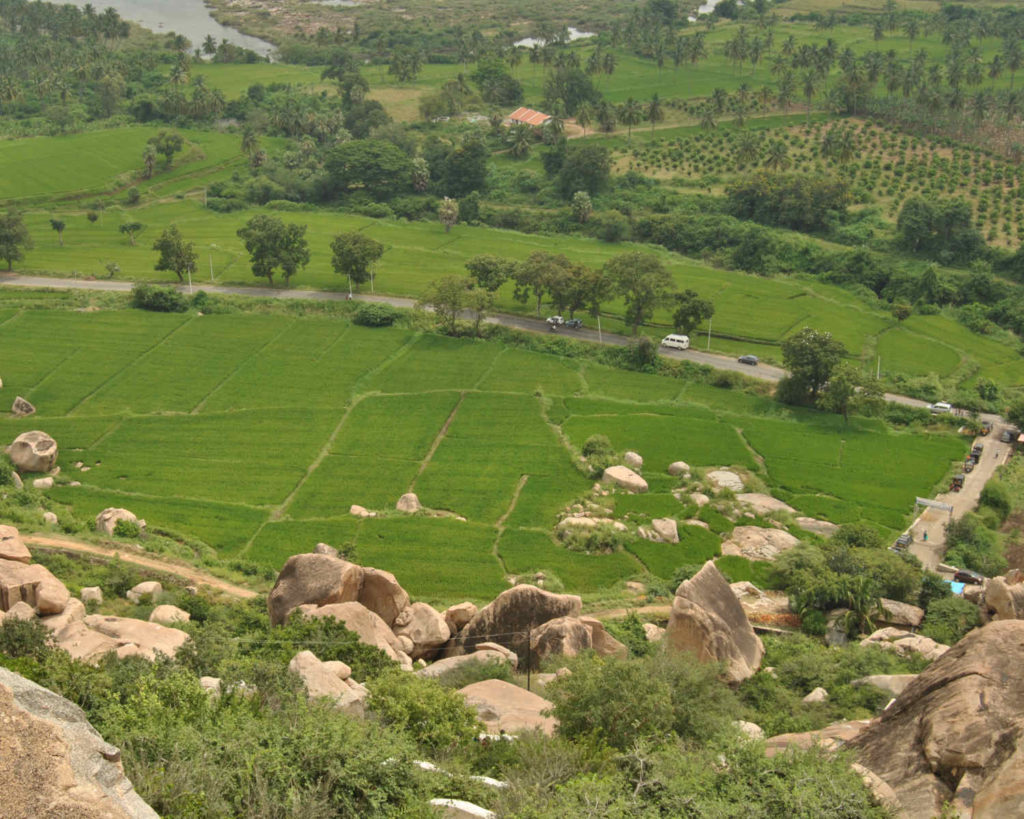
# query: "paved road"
764, 372
933, 521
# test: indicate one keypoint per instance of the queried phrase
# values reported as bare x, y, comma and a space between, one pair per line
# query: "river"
188, 17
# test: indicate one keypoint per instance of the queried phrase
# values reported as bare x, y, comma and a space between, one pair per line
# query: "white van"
676, 342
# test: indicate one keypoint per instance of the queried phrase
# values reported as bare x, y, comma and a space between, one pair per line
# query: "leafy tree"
479, 301
131, 229
973, 546
465, 168
274, 246
581, 206
446, 297
448, 213
167, 143
810, 356
149, 161
642, 281
176, 255
14, 238
58, 225
690, 310
586, 167
378, 167
1014, 413
490, 272
942, 228
901, 311
799, 201
849, 390
354, 255
420, 174
949, 619
536, 275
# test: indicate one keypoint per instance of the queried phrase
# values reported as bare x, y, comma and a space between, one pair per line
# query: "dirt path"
196, 577
612, 614
932, 522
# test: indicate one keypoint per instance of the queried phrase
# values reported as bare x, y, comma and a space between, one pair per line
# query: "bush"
373, 314
6, 471
127, 529
158, 299
973, 546
133, 196
948, 619
597, 445
434, 717
630, 632
996, 496
603, 539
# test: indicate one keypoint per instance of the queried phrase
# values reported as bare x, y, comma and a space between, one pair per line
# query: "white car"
940, 407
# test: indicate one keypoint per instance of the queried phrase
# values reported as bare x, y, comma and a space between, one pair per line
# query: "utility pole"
709, 335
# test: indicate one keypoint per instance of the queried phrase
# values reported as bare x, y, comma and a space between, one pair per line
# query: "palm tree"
654, 112
584, 115
786, 91
631, 113
707, 117
58, 225
995, 68
520, 139
1013, 57
810, 86
776, 156
748, 147
719, 98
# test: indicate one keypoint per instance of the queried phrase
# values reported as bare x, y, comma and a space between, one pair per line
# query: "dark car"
967, 576
1006, 437
902, 542
748, 359
573, 324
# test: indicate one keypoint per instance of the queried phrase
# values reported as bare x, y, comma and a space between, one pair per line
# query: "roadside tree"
14, 238
536, 275
446, 296
690, 311
849, 390
642, 281
274, 246
176, 255
810, 356
490, 272
354, 255
167, 143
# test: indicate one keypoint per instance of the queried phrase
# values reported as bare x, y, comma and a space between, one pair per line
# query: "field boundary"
499, 526
442, 433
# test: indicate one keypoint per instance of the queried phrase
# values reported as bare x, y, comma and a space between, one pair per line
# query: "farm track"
185, 572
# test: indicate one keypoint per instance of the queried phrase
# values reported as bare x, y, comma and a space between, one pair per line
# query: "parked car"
752, 360
939, 407
967, 576
573, 324
986, 427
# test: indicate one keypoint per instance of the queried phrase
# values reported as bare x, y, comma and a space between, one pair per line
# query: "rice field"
252, 435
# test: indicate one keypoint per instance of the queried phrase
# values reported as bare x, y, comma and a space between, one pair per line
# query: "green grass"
253, 434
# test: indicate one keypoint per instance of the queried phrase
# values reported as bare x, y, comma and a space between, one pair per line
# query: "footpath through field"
193, 575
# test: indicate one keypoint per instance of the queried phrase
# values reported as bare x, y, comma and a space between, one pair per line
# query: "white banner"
945, 507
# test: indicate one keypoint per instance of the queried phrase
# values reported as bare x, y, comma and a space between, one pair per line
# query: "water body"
574, 34
188, 17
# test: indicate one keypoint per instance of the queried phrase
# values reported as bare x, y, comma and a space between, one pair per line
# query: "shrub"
973, 546
434, 717
630, 632
133, 196
469, 673
996, 496
158, 299
127, 529
373, 314
948, 619
6, 471
597, 445
603, 539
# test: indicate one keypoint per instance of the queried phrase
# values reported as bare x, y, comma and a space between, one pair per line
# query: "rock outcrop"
756, 543
313, 579
409, 503
709, 621
896, 613
904, 643
382, 594
725, 479
32, 584
817, 527
169, 614
53, 763
678, 468
21, 408
33, 451
368, 627
503, 706
625, 478
331, 679
1003, 598
459, 615
425, 627
151, 589
763, 504
633, 460
12, 547
512, 614
137, 638
956, 733
566, 636
830, 738
106, 521
486, 655
891, 684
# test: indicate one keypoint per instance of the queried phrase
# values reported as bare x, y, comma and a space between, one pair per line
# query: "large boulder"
755, 543
708, 621
382, 594
601, 641
666, 529
725, 479
763, 504
32, 584
12, 547
503, 706
512, 614
905, 643
633, 460
484, 656
458, 615
169, 614
566, 636
137, 637
625, 477
830, 738
332, 679
368, 627
409, 503
896, 613
53, 763
956, 733
33, 451
1003, 598
891, 684
425, 627
22, 408
74, 612
817, 527
149, 589
106, 521
84, 643
678, 468
316, 579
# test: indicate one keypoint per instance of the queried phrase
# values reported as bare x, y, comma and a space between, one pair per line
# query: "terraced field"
287, 421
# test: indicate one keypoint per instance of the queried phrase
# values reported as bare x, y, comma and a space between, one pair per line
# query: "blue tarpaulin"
958, 588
